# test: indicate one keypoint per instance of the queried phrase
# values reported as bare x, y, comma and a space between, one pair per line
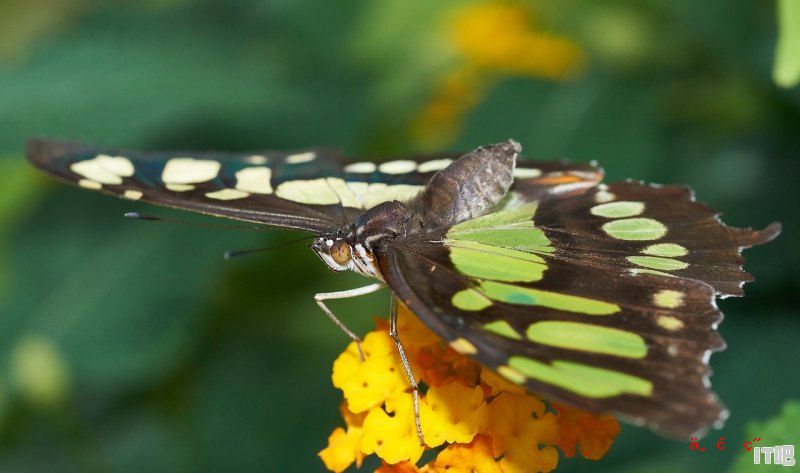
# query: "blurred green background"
134, 347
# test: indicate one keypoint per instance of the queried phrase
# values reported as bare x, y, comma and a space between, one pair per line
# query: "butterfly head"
351, 247
335, 251
341, 253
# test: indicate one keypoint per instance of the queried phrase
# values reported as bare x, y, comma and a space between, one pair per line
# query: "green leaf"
786, 72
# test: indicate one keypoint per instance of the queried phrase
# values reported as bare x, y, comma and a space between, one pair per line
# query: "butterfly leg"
359, 291
406, 366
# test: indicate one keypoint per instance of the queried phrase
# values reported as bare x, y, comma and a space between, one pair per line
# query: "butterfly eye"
340, 252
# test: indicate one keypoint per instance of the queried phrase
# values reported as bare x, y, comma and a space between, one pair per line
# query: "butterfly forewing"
311, 189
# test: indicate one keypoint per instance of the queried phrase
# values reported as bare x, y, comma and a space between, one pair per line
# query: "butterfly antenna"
153, 218
234, 253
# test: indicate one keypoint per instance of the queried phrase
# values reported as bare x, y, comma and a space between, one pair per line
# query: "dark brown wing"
311, 189
604, 300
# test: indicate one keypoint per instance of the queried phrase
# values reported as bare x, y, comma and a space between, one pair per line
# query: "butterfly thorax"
467, 188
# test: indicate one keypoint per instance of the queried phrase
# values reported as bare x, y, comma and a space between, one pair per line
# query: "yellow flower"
518, 424
473, 457
489, 40
343, 449
391, 432
370, 382
452, 413
494, 384
413, 333
595, 433
402, 467
500, 36
485, 423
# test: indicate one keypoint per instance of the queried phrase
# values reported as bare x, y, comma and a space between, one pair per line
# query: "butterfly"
599, 296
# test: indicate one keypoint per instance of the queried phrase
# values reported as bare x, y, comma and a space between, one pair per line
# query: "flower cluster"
489, 40
472, 419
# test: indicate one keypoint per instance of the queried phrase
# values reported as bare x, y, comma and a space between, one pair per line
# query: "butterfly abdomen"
469, 187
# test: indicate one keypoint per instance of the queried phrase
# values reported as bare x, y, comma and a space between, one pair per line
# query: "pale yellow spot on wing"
256, 159
347, 194
359, 190
255, 180
511, 374
90, 184
322, 191
527, 173
312, 191
104, 169
463, 346
668, 299
227, 194
361, 168
400, 166
603, 196
434, 165
669, 323
189, 170
301, 158
118, 165
380, 192
179, 187
132, 194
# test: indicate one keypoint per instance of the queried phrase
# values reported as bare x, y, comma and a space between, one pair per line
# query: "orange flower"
518, 424
595, 433
468, 458
494, 384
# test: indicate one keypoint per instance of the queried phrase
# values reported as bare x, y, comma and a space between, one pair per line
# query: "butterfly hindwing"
651, 229
538, 305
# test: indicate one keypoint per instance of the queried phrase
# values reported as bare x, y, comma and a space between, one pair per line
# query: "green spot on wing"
511, 228
584, 380
526, 296
521, 236
635, 229
657, 263
471, 300
501, 327
618, 209
483, 261
586, 337
636, 271
667, 250
507, 217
